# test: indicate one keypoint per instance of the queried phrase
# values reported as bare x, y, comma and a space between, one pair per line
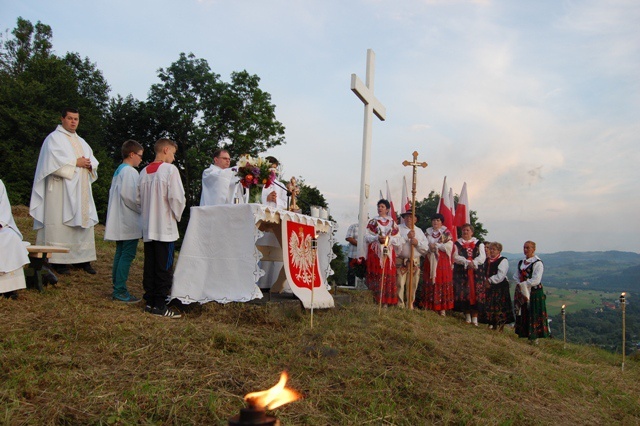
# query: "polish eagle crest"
302, 256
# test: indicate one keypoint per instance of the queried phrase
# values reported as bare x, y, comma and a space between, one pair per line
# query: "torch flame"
386, 241
563, 306
274, 397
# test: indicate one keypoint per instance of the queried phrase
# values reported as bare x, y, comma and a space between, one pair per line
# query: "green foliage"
34, 86
428, 207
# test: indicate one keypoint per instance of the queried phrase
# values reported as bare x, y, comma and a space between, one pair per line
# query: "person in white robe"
275, 195
411, 236
123, 219
162, 201
13, 252
62, 205
220, 185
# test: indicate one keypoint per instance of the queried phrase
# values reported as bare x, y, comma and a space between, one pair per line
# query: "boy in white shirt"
162, 202
123, 219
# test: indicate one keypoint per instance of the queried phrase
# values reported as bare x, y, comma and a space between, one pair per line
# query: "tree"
34, 86
193, 107
428, 207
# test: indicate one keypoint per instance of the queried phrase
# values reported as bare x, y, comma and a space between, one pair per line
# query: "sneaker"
148, 308
126, 299
164, 312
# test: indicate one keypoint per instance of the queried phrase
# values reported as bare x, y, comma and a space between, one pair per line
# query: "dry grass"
72, 356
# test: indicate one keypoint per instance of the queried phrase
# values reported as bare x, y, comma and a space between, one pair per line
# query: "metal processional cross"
414, 164
371, 106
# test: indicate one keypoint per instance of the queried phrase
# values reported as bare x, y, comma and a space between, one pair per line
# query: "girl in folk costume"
468, 275
498, 307
381, 230
437, 291
530, 300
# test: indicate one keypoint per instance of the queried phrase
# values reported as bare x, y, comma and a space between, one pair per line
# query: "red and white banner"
301, 265
445, 208
462, 209
406, 202
392, 213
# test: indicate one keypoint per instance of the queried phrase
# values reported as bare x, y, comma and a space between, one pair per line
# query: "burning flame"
274, 397
386, 241
563, 306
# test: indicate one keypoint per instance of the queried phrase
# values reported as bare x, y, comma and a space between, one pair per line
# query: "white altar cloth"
219, 258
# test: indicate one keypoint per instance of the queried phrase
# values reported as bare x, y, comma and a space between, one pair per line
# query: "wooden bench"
37, 256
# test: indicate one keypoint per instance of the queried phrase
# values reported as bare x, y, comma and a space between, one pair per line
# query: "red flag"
446, 209
406, 202
462, 209
393, 209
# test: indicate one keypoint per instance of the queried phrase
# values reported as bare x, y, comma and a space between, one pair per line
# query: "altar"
225, 246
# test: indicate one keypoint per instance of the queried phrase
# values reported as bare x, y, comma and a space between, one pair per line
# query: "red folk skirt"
374, 277
437, 295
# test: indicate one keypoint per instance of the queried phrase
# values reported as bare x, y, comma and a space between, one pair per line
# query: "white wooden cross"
371, 106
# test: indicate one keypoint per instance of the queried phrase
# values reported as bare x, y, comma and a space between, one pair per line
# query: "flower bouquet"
359, 266
255, 173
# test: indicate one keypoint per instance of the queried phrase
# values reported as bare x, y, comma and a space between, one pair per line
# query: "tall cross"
371, 106
414, 164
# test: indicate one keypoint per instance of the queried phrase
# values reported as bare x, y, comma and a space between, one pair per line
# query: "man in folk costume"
220, 185
411, 236
437, 291
13, 253
381, 231
468, 275
62, 203
529, 300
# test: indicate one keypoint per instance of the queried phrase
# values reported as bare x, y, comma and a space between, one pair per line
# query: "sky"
534, 104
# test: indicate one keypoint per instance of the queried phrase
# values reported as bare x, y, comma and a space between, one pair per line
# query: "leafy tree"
428, 207
192, 106
34, 86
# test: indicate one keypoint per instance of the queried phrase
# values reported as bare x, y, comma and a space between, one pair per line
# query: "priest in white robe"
13, 252
62, 203
220, 185
275, 195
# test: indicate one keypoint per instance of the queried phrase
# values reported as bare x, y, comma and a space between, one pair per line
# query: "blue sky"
535, 105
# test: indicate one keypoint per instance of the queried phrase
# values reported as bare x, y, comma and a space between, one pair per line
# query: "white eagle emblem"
302, 256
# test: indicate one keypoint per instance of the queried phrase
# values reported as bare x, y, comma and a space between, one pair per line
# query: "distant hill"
597, 270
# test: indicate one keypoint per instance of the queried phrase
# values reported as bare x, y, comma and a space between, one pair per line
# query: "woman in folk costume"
499, 309
468, 275
380, 230
436, 292
530, 300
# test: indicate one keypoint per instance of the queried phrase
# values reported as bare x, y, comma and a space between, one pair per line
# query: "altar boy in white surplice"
13, 253
162, 202
123, 219
220, 185
62, 205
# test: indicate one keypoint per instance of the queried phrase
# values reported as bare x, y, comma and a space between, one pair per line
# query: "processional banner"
301, 265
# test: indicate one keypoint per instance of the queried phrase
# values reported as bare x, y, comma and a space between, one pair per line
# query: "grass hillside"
72, 356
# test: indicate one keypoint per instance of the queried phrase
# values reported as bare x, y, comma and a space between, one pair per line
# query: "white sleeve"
503, 269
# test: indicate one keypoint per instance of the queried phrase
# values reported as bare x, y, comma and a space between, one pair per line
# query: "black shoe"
13, 295
86, 266
61, 268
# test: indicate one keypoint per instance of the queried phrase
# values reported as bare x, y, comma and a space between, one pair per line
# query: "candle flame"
386, 241
563, 306
623, 294
274, 397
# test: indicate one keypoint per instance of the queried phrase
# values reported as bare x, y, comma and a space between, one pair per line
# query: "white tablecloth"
219, 259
